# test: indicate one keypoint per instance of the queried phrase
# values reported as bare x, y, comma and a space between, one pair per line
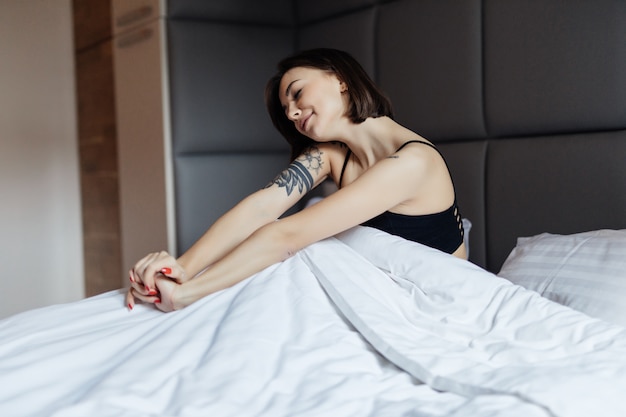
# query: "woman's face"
315, 101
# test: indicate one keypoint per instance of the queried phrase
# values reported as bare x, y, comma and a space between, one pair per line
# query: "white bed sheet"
365, 324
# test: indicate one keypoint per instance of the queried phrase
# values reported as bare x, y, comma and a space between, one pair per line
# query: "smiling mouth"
303, 125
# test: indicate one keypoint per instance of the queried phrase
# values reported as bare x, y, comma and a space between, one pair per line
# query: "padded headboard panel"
527, 100
221, 54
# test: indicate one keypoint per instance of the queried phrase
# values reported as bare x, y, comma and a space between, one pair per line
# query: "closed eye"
296, 95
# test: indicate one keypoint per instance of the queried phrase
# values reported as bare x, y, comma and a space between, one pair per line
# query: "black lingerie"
443, 230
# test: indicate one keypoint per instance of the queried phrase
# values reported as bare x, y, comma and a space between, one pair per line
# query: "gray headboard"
527, 100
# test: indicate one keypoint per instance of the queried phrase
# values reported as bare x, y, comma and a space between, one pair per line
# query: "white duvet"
365, 324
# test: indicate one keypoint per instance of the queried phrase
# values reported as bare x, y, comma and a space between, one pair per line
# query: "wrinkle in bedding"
365, 324
273, 345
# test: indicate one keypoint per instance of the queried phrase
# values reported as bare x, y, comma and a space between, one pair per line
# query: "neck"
376, 139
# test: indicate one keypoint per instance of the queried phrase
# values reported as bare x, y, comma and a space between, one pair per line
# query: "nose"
293, 112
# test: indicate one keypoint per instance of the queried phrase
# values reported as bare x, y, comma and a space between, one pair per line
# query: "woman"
339, 126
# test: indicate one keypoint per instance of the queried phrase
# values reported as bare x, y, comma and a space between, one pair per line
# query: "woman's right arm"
236, 225
253, 212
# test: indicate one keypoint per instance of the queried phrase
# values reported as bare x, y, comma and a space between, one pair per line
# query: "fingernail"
166, 271
157, 301
130, 306
130, 277
152, 292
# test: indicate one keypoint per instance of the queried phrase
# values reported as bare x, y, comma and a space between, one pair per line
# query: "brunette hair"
365, 97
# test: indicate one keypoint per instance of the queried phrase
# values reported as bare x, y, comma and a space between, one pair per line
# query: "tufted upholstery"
527, 100
221, 53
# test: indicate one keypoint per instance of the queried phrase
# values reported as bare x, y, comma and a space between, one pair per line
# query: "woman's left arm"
385, 185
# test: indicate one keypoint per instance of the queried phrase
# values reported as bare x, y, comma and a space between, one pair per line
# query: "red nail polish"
130, 277
157, 301
152, 292
130, 306
166, 271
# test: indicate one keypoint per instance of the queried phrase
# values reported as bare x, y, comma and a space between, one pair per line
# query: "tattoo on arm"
298, 175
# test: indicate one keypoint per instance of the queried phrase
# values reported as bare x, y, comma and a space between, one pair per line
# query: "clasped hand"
155, 279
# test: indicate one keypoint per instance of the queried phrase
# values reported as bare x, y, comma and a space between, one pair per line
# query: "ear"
343, 87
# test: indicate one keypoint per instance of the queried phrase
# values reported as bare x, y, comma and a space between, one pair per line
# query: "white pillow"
585, 271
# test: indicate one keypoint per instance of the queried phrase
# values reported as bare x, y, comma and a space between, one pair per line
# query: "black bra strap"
439, 152
419, 141
455, 207
345, 163
432, 146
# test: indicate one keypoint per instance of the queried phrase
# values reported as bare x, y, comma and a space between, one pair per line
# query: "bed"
526, 100
362, 324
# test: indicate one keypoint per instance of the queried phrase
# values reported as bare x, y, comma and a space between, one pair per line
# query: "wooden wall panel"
97, 145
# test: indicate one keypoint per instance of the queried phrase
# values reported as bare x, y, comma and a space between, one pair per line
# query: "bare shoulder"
411, 171
421, 168
419, 155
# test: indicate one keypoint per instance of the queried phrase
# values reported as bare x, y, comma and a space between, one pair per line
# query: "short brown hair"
365, 97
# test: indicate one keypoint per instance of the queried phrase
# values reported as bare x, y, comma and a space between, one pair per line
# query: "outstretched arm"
257, 210
234, 227
386, 185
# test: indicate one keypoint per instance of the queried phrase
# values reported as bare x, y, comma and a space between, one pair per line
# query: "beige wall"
40, 224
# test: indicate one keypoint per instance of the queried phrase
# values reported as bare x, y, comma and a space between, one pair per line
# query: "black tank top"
443, 230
